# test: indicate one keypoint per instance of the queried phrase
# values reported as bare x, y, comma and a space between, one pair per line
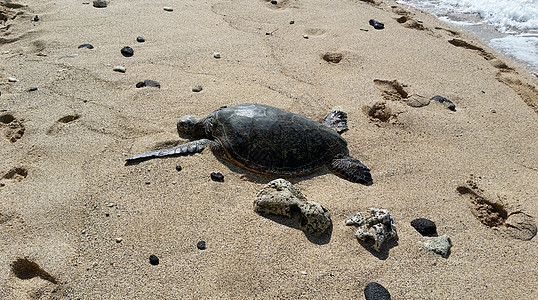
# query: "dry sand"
66, 194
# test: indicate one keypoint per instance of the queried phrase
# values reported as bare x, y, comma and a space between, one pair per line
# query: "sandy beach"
76, 222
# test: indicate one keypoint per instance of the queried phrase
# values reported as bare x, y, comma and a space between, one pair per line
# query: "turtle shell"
270, 140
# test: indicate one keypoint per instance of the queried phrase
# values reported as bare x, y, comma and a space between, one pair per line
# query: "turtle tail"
351, 169
187, 148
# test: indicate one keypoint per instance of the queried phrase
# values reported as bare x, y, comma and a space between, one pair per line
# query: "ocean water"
509, 26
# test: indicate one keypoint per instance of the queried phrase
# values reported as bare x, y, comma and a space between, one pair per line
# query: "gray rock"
100, 3
120, 69
438, 244
417, 101
379, 226
280, 197
447, 103
375, 291
152, 83
197, 88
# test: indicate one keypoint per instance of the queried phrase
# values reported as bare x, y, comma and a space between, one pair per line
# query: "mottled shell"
270, 140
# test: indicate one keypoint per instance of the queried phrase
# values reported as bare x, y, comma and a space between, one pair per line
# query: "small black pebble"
152, 83
153, 259
89, 46
216, 176
127, 51
375, 291
32, 89
140, 84
178, 168
201, 245
376, 24
147, 182
140, 39
292, 22
36, 18
107, 215
424, 226
274, 2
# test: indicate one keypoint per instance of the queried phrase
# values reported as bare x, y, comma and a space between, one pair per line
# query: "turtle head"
190, 127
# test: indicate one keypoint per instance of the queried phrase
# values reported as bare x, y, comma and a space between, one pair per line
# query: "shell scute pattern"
272, 140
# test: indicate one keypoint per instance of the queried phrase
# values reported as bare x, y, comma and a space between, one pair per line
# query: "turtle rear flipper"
337, 120
187, 148
351, 169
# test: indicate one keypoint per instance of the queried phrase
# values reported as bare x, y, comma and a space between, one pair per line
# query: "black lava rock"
216, 176
445, 102
375, 291
152, 83
424, 226
32, 89
201, 245
140, 39
153, 259
140, 84
36, 18
89, 46
127, 51
274, 2
376, 24
178, 168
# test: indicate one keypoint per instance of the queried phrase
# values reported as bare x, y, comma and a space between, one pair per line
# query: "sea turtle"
269, 140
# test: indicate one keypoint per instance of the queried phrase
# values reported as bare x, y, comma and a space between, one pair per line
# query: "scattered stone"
32, 89
292, 22
333, 57
36, 18
447, 103
424, 226
140, 39
120, 69
89, 46
375, 291
305, 36
167, 8
274, 2
127, 51
376, 24
12, 79
216, 55
302, 272
152, 83
438, 244
140, 84
379, 227
118, 240
197, 88
417, 101
148, 183
201, 245
100, 3
363, 29
216, 176
280, 197
111, 204
153, 260
178, 168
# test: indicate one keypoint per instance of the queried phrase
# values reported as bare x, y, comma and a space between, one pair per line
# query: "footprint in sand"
495, 212
392, 90
15, 174
24, 269
463, 44
406, 20
11, 128
60, 123
380, 111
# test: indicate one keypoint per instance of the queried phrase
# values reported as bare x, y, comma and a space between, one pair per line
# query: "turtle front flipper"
351, 169
337, 120
187, 148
